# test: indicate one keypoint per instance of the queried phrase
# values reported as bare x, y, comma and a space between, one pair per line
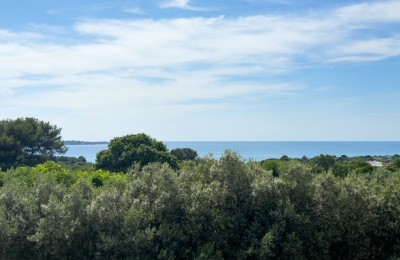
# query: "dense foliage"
74, 163
209, 209
126, 151
184, 154
28, 141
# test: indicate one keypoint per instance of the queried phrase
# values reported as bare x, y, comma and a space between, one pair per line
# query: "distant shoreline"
259, 150
73, 142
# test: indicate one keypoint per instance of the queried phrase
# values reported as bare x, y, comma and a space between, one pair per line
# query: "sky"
217, 70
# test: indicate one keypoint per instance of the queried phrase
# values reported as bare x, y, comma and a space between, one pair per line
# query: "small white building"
375, 163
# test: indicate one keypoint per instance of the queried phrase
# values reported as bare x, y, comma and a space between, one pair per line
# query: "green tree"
272, 164
28, 141
184, 154
123, 152
325, 161
10, 151
396, 162
285, 158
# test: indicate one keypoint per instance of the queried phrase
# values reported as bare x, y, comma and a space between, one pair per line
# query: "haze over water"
263, 149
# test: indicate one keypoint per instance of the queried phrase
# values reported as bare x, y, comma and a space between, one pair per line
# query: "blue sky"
204, 70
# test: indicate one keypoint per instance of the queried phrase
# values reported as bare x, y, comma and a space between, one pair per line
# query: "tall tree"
123, 152
28, 141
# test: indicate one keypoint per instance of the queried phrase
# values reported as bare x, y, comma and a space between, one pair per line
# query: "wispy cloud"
137, 69
250, 43
134, 10
181, 4
380, 11
282, 2
374, 49
14, 37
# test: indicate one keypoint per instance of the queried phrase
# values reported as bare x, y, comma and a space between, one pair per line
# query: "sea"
261, 150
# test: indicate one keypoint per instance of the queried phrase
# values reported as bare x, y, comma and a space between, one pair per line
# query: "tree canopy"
28, 141
325, 161
210, 208
123, 152
184, 154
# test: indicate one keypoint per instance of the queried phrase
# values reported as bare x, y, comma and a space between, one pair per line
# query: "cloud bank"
152, 70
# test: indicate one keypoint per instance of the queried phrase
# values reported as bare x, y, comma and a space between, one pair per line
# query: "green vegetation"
74, 163
208, 209
140, 201
184, 154
141, 149
28, 141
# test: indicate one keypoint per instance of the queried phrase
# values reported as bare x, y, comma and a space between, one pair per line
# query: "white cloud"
8, 36
147, 69
181, 4
380, 11
369, 50
134, 10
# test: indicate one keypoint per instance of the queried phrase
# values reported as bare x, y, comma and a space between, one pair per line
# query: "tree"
184, 154
285, 158
396, 162
325, 161
10, 151
124, 152
28, 141
272, 164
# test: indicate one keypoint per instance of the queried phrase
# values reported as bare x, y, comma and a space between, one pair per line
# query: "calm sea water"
263, 150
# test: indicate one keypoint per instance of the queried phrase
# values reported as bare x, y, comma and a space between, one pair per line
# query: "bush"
209, 209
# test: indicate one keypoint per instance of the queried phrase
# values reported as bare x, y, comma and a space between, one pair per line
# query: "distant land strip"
74, 142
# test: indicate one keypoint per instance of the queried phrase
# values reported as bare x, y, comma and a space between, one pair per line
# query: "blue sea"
260, 150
